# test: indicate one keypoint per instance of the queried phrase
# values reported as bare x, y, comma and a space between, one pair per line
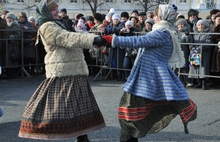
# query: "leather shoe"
82, 138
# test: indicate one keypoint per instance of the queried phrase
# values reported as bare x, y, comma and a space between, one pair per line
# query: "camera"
125, 30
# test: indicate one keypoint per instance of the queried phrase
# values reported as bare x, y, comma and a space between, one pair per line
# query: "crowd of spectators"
201, 60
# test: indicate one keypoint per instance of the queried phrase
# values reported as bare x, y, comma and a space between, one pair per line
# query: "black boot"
131, 140
199, 85
82, 138
204, 85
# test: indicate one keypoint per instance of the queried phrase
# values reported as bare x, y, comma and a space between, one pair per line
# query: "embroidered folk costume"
63, 106
153, 94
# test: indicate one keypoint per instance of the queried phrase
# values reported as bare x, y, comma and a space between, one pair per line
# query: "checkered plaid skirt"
61, 108
140, 116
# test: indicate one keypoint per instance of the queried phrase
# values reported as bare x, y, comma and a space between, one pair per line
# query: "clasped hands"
105, 40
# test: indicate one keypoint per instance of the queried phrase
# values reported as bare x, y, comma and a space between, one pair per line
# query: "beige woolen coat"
64, 50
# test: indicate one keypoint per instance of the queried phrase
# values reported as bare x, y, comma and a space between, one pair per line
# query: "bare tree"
93, 4
149, 4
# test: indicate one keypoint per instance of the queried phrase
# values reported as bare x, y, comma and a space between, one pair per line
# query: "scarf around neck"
177, 57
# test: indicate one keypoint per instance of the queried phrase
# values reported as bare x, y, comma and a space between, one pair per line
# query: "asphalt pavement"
14, 94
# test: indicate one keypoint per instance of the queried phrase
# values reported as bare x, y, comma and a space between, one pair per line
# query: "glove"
99, 41
108, 39
187, 33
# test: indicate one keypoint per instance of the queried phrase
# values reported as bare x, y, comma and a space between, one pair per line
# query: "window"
73, 1
5, 1
182, 1
127, 1
20, 0
109, 1
37, 0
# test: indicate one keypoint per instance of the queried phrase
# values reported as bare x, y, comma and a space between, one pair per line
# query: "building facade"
80, 6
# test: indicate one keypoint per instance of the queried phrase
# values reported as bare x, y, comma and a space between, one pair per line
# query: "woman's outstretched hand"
99, 41
108, 39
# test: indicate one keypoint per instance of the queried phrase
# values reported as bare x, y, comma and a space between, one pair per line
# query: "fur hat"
142, 14
181, 21
133, 17
150, 21
78, 16
180, 15
129, 23
116, 16
135, 11
63, 10
201, 22
52, 4
214, 11
193, 12
10, 15
125, 14
217, 15
98, 17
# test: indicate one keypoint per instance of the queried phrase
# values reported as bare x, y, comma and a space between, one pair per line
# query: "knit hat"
116, 16
10, 15
111, 10
63, 10
89, 18
150, 21
110, 14
193, 12
52, 4
31, 18
129, 23
125, 14
135, 11
214, 11
142, 14
98, 17
181, 21
80, 23
201, 22
150, 12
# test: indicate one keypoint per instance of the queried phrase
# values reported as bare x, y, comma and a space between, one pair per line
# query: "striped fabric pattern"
139, 116
152, 77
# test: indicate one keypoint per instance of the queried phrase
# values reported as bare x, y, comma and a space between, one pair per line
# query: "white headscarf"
168, 16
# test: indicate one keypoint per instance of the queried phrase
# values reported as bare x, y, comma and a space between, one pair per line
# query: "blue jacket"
152, 77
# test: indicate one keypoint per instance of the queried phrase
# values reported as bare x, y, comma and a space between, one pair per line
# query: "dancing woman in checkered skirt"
63, 106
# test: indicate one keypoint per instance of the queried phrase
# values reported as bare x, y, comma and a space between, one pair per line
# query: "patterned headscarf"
43, 13
167, 13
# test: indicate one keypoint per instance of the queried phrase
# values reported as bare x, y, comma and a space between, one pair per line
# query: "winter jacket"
64, 50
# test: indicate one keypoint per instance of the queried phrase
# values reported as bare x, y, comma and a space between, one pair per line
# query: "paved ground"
15, 93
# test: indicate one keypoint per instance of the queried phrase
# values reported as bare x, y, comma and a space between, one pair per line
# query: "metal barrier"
21, 40
98, 64
143, 33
